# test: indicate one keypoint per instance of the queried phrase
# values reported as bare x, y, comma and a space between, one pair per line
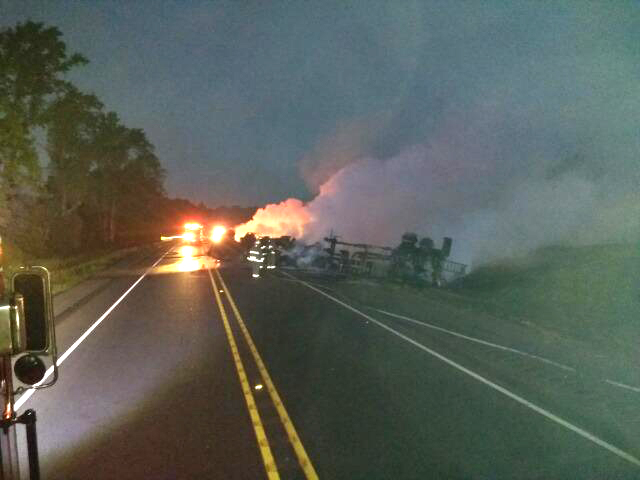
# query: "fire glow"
290, 217
217, 234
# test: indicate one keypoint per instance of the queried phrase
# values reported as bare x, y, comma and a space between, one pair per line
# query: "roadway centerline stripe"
294, 439
476, 340
263, 443
545, 413
27, 395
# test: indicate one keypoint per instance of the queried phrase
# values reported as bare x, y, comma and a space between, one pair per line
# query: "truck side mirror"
32, 287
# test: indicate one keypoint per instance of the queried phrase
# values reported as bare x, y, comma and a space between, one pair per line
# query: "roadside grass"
70, 271
589, 293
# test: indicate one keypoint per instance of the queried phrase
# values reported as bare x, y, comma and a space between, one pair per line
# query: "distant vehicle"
193, 234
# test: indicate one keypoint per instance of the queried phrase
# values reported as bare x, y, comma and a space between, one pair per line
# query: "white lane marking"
477, 340
622, 385
27, 395
545, 413
502, 347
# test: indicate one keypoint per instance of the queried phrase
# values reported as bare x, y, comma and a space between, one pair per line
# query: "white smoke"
532, 146
434, 191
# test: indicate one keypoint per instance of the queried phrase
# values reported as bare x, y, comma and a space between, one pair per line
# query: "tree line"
103, 183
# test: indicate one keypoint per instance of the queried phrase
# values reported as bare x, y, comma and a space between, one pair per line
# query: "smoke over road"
504, 147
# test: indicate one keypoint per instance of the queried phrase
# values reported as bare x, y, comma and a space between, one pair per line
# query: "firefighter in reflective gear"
263, 255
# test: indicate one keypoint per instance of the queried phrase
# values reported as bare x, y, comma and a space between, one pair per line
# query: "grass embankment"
70, 271
590, 293
587, 293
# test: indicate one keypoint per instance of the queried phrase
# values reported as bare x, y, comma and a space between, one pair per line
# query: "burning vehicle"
412, 261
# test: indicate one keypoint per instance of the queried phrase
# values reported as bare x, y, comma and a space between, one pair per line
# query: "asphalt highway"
200, 371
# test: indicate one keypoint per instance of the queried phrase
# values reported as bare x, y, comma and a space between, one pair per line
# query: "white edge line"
622, 385
545, 413
27, 395
502, 347
477, 340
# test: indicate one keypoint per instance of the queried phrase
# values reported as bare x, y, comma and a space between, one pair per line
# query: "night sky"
254, 102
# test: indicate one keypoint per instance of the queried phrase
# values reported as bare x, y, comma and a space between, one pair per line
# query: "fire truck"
193, 233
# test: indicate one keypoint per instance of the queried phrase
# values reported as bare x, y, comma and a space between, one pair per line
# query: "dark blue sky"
247, 102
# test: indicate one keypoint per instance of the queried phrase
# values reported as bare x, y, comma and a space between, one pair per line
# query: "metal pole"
29, 419
9, 468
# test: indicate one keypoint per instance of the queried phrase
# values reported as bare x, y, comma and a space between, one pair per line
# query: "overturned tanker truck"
412, 261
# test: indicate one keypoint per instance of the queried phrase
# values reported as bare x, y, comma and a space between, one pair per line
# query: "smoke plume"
503, 149
460, 185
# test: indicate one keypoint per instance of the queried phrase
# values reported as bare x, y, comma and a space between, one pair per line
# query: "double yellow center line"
263, 442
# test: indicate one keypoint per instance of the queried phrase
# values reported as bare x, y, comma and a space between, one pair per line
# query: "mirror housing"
33, 284
13, 336
34, 330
